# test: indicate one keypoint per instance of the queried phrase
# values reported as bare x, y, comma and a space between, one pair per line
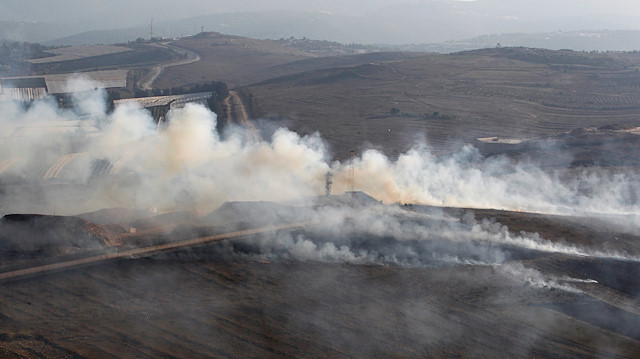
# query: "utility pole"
328, 181
352, 174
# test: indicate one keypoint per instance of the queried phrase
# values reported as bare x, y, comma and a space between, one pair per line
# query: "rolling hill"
240, 61
456, 98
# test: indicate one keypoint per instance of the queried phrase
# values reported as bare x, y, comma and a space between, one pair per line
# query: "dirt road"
237, 113
143, 252
186, 57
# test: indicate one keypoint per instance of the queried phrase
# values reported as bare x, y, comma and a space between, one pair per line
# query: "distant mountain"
100, 37
424, 23
589, 40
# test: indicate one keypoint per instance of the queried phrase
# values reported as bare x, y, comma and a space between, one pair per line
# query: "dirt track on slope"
237, 114
146, 82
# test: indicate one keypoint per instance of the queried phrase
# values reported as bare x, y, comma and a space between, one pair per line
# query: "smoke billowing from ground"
186, 166
466, 179
379, 235
93, 159
190, 166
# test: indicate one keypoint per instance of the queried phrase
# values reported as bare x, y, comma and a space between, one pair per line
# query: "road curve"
146, 82
143, 252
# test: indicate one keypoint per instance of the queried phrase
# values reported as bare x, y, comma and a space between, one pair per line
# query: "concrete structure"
59, 84
23, 89
31, 88
159, 106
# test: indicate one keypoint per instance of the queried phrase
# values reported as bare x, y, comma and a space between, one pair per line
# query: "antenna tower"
352, 174
151, 30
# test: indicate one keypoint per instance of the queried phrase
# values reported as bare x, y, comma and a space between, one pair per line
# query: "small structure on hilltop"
349, 198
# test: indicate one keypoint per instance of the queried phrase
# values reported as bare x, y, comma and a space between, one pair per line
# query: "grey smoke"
153, 168
389, 235
189, 166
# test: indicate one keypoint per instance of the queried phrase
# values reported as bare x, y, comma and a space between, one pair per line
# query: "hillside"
26, 239
506, 92
241, 61
259, 296
584, 40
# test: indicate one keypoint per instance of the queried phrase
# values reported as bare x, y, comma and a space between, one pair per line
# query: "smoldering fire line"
389, 235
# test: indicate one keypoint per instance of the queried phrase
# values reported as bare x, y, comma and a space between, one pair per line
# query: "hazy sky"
369, 21
128, 12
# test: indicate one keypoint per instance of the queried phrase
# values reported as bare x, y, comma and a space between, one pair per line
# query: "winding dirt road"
146, 82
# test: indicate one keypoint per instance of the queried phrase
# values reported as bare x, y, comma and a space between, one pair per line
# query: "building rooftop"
154, 101
59, 83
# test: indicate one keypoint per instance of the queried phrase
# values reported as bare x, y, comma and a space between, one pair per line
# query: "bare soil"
202, 302
240, 61
206, 306
453, 99
141, 56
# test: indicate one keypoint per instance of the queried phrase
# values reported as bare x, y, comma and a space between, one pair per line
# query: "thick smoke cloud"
50, 158
189, 166
466, 179
186, 166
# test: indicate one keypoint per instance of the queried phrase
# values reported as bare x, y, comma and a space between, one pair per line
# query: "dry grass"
234, 60
228, 309
198, 303
79, 52
241, 61
485, 93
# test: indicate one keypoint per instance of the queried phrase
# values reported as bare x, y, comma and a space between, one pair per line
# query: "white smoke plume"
49, 157
466, 179
537, 279
186, 166
189, 166
492, 231
390, 235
